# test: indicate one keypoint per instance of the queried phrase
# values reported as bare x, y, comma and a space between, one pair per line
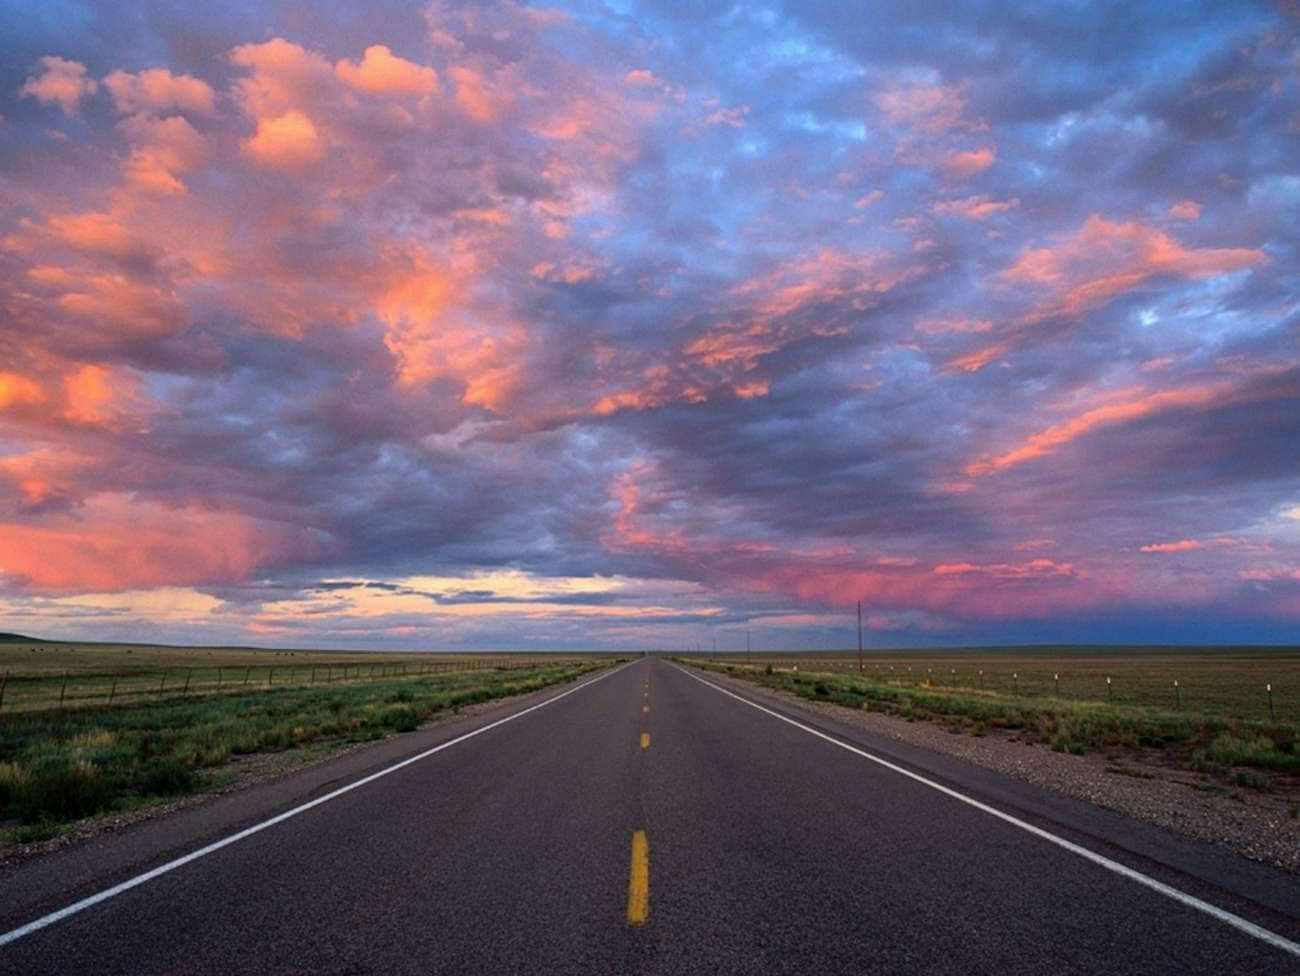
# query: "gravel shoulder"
1140, 783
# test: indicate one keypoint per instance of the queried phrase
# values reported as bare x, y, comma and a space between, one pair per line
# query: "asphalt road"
765, 848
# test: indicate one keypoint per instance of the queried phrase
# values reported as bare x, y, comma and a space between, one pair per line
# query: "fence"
23, 693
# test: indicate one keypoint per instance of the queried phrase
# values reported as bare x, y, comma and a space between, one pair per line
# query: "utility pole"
859, 637
715, 649
749, 661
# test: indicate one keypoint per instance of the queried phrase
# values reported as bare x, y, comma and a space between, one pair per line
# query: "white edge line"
1191, 901
172, 865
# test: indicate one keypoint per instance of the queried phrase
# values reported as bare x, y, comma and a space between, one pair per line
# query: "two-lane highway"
649, 821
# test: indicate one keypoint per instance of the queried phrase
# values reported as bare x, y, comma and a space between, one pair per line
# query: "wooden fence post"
63, 690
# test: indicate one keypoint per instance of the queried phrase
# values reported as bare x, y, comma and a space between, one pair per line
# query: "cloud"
157, 91
1182, 545
767, 313
978, 207
119, 544
61, 82
289, 141
968, 162
1104, 259
383, 73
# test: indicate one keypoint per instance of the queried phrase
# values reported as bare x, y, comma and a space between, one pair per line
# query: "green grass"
57, 766
1210, 740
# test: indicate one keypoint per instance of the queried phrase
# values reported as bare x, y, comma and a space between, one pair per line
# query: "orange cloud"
383, 73
61, 82
157, 90
977, 360
1185, 210
1183, 545
96, 233
165, 150
287, 141
101, 397
135, 308
433, 336
18, 390
969, 162
1104, 259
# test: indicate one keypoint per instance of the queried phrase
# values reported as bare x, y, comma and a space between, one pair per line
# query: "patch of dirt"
1148, 784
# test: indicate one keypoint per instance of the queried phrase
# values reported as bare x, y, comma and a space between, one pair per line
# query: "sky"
644, 324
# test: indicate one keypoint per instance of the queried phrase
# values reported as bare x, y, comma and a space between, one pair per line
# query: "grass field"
1230, 683
60, 764
38, 675
1218, 725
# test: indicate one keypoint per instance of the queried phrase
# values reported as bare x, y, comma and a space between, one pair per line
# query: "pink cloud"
924, 106
289, 141
1185, 210
158, 91
383, 73
117, 543
1104, 259
473, 95
164, 151
979, 207
1050, 439
968, 162
60, 82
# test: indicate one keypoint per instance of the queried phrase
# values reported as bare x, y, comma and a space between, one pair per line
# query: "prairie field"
87, 729
1233, 712
37, 675
1227, 682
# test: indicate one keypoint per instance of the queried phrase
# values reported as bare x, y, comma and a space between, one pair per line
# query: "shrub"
165, 776
1231, 750
60, 790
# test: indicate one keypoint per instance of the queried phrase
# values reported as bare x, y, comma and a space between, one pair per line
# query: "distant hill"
19, 639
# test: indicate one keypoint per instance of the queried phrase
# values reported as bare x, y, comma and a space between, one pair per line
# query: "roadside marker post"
1178, 696
1269, 688
63, 690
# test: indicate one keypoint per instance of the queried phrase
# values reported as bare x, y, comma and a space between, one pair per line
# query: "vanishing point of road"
648, 819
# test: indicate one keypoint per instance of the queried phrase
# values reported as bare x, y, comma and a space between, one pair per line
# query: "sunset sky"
642, 324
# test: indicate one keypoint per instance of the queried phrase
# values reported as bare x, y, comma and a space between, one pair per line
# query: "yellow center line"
645, 740
638, 881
